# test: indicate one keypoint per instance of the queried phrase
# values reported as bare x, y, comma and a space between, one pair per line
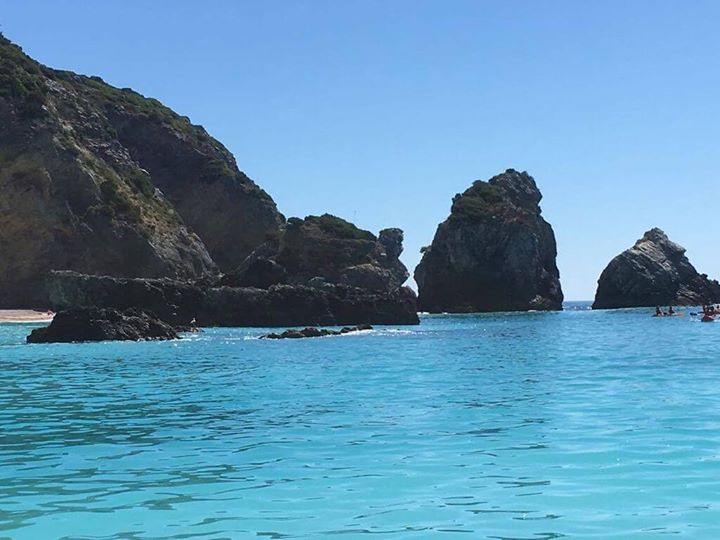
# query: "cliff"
655, 271
494, 252
105, 181
326, 249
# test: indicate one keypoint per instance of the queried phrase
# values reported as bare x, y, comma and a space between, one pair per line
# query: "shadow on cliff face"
494, 252
105, 181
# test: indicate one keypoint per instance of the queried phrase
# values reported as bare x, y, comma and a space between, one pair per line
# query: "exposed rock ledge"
312, 331
95, 324
179, 302
655, 271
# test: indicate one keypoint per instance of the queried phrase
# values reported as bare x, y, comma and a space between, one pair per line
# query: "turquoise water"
528, 426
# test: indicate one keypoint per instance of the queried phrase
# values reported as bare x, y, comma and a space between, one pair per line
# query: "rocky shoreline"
180, 303
131, 206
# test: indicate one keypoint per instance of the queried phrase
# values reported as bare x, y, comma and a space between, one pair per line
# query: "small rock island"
495, 252
655, 271
96, 324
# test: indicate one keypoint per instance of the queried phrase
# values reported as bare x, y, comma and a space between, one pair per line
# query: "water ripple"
523, 426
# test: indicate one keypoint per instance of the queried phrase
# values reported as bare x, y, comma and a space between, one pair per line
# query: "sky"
379, 111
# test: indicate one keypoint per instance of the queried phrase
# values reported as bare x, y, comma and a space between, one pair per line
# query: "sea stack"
495, 252
102, 180
655, 271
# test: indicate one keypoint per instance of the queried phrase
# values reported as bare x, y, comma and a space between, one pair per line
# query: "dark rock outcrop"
494, 252
655, 271
331, 248
296, 305
105, 181
175, 302
94, 324
313, 331
326, 249
260, 273
178, 303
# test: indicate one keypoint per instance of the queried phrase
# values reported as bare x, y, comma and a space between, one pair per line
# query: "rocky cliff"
655, 271
494, 252
318, 270
105, 181
325, 249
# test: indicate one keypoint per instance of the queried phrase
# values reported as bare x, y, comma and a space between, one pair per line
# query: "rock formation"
494, 252
655, 271
93, 324
337, 251
325, 249
105, 181
209, 304
313, 331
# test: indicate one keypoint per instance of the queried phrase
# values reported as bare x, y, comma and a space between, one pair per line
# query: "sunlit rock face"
655, 271
495, 252
105, 181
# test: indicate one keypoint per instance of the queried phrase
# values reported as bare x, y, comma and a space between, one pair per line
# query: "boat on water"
669, 313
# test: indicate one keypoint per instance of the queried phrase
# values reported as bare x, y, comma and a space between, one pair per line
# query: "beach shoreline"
25, 316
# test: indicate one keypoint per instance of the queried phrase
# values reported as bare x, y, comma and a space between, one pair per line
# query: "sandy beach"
25, 316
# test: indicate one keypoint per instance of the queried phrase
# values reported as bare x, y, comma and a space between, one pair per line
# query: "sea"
514, 426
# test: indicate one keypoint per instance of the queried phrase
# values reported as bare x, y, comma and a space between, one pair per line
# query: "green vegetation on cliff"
21, 78
338, 227
104, 179
479, 201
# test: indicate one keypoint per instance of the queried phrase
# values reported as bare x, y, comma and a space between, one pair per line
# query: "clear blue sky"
380, 111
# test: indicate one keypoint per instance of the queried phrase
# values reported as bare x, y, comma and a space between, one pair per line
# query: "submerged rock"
655, 271
316, 332
97, 324
494, 252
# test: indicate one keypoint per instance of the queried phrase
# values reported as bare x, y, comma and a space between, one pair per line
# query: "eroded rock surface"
207, 304
655, 271
495, 252
313, 331
105, 181
95, 324
325, 250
